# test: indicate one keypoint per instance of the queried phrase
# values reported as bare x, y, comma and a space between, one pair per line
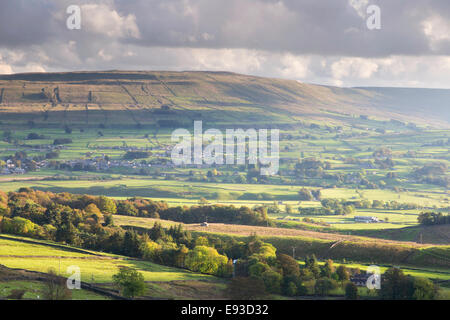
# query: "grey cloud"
299, 26
322, 41
327, 27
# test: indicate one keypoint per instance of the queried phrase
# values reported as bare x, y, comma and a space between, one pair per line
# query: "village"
21, 163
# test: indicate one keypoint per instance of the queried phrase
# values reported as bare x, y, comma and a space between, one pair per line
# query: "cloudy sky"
315, 41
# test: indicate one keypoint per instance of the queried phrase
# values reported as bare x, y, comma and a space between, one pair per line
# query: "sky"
401, 43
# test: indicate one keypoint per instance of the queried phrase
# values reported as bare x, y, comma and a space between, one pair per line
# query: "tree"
130, 282
288, 264
291, 289
109, 220
131, 244
424, 289
328, 269
342, 273
202, 241
272, 281
107, 205
324, 285
256, 269
395, 285
305, 195
150, 250
312, 265
205, 260
351, 291
55, 287
289, 209
94, 211
126, 208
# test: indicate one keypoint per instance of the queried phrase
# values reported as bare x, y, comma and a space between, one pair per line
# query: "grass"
16, 248
34, 290
187, 192
93, 269
429, 273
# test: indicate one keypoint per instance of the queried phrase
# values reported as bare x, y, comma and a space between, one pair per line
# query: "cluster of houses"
101, 164
11, 168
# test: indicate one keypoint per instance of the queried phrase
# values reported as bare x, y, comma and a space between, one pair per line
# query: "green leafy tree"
106, 205
205, 260
323, 286
312, 265
256, 269
328, 269
395, 285
130, 282
291, 289
272, 281
305, 195
126, 208
424, 289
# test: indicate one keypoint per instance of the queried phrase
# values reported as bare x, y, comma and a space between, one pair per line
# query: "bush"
60, 141
52, 155
34, 136
16, 294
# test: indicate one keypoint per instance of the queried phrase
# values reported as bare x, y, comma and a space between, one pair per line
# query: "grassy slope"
97, 269
426, 234
325, 245
125, 98
33, 290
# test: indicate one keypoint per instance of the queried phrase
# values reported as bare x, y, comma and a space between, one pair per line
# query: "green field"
33, 290
99, 268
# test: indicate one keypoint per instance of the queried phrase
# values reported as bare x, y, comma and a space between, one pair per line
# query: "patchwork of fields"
109, 134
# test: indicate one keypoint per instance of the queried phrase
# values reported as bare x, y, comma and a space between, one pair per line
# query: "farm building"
360, 279
366, 219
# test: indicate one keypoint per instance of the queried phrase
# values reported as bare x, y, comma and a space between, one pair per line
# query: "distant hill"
438, 234
142, 98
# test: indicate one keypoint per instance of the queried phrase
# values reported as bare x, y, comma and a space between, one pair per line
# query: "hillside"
336, 246
24, 263
142, 98
438, 234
